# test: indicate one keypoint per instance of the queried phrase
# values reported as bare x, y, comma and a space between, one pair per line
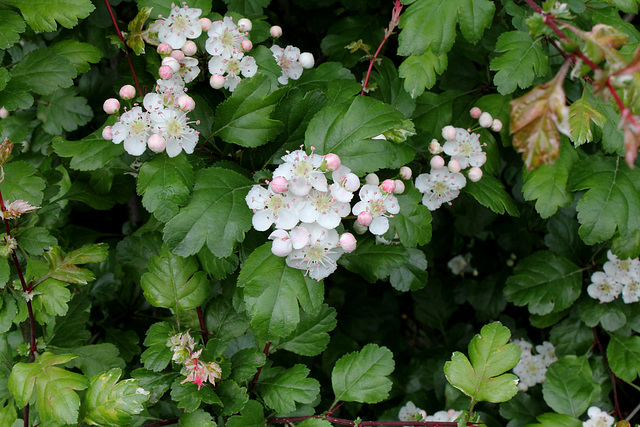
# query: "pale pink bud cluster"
164, 49
485, 120
388, 186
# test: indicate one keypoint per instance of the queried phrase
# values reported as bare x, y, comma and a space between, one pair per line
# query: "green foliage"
42, 16
622, 353
569, 388
419, 71
63, 109
11, 25
281, 392
311, 337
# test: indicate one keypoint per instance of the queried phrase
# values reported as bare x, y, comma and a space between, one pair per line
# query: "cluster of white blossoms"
306, 208
598, 418
410, 412
444, 181
532, 368
619, 277
196, 371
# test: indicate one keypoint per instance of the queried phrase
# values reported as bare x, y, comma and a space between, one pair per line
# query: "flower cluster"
443, 184
598, 418
306, 209
532, 368
291, 61
410, 412
196, 371
17, 208
619, 277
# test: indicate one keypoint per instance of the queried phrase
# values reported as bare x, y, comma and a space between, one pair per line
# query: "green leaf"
612, 200
581, 114
569, 387
165, 184
63, 110
612, 135
374, 262
157, 356
490, 192
244, 118
4, 74
71, 330
272, 291
161, 7
41, 15
252, 416
174, 282
482, 376
246, 363
547, 185
249, 8
311, 337
44, 71
19, 183
8, 311
11, 25
419, 71
556, 420
156, 384
190, 398
362, 376
64, 268
216, 215
347, 130
523, 408
90, 153
626, 6
15, 95
431, 24
109, 402
224, 321
413, 222
35, 240
283, 391
52, 297
593, 312
546, 282
197, 418
412, 274
314, 422
94, 359
49, 381
78, 53
571, 336
624, 356
522, 61
217, 267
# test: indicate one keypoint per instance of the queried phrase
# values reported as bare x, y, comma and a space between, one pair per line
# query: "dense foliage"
337, 212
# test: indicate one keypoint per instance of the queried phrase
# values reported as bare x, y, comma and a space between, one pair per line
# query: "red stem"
611, 374
203, 326
115, 24
344, 422
257, 375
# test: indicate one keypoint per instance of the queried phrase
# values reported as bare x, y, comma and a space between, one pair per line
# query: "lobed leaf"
623, 354
63, 110
413, 222
569, 387
64, 267
490, 192
311, 336
419, 71
581, 114
41, 15
283, 391
43, 71
11, 25
522, 60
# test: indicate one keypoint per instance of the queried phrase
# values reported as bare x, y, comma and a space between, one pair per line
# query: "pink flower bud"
189, 48
454, 166
365, 218
216, 81
405, 172
449, 133
372, 179
306, 60
245, 25
205, 23
281, 245
399, 187
186, 103
435, 147
388, 185
275, 31
351, 182
333, 161
348, 242
300, 237
485, 120
171, 62
496, 126
127, 92
156, 143
4, 113
246, 45
437, 162
111, 106
106, 133
164, 49
475, 173
178, 55
165, 72
279, 185
475, 112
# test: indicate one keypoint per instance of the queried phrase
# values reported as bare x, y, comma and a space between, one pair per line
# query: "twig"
203, 326
611, 374
257, 375
344, 422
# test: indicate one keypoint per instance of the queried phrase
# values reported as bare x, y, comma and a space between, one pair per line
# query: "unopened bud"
485, 120
333, 161
189, 48
216, 81
172, 63
186, 103
281, 245
475, 112
246, 45
496, 126
351, 182
475, 174
279, 185
164, 49
205, 23
449, 133
106, 133
399, 187
454, 166
306, 60
156, 143
178, 55
388, 185
348, 242
275, 31
372, 179
245, 24
435, 147
437, 162
4, 113
127, 92
365, 218
165, 72
111, 106
405, 172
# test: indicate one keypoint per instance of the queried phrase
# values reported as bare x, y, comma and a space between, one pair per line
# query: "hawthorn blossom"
270, 208
318, 257
598, 418
224, 38
440, 186
231, 67
199, 372
466, 149
182, 23
603, 287
344, 184
410, 412
133, 127
379, 205
531, 370
622, 270
289, 60
322, 207
446, 416
173, 126
302, 172
17, 208
189, 69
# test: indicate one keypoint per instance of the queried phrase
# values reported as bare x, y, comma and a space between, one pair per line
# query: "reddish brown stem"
344, 422
126, 53
611, 374
257, 375
203, 326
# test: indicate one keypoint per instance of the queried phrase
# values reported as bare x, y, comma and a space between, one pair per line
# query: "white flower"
631, 291
173, 126
319, 256
460, 264
133, 127
440, 186
224, 38
548, 352
446, 416
598, 418
269, 208
531, 370
289, 60
379, 205
466, 149
524, 346
231, 67
344, 184
623, 271
322, 207
189, 69
302, 173
182, 23
603, 287
410, 412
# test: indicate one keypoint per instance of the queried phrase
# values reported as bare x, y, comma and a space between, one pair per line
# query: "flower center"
180, 23
376, 208
138, 127
275, 204
174, 128
440, 188
301, 168
466, 149
233, 67
322, 203
315, 254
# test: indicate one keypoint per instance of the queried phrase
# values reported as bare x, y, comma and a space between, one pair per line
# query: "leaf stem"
257, 375
611, 374
203, 326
